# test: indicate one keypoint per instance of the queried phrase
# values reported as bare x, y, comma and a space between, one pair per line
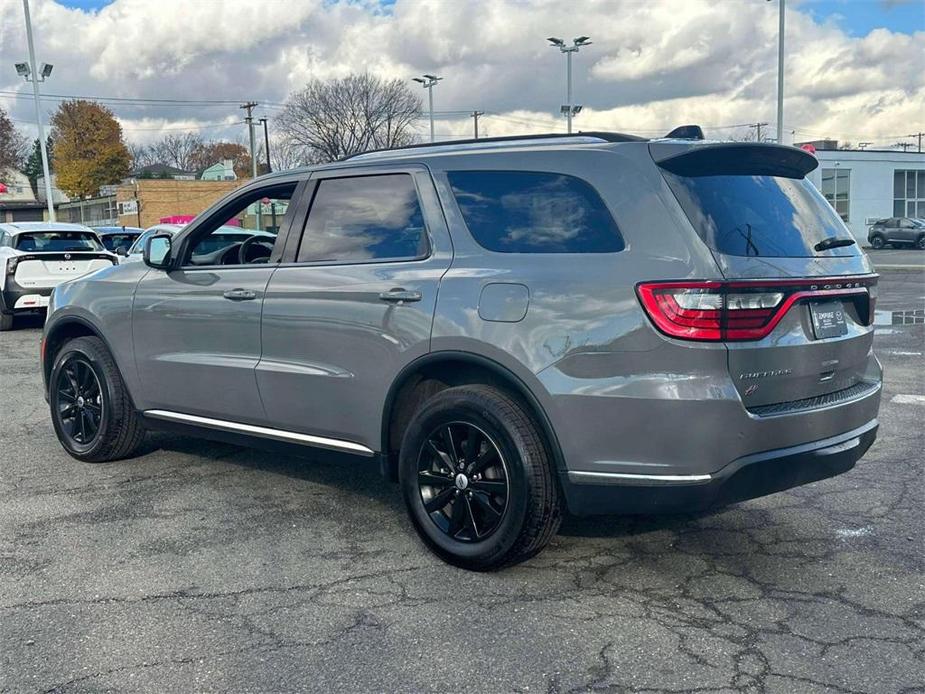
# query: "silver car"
513, 328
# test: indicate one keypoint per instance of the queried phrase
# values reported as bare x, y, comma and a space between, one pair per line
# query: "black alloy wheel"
91, 410
79, 401
463, 481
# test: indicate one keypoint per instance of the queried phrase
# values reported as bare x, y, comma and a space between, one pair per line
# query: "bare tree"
285, 153
179, 151
142, 155
339, 117
13, 146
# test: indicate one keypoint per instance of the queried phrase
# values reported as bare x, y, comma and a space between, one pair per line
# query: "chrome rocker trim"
265, 432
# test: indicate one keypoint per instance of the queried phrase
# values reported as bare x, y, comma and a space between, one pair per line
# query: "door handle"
399, 295
240, 295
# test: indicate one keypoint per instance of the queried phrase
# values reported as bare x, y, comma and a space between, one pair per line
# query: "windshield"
58, 241
768, 216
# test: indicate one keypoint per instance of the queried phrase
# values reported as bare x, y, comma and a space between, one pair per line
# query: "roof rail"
579, 137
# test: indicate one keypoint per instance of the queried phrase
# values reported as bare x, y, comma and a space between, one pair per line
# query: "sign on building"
128, 207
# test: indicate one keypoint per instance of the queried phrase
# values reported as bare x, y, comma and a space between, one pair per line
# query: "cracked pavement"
204, 566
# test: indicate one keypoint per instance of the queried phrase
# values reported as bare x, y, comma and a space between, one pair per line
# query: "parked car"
510, 327
897, 231
224, 239
118, 239
37, 256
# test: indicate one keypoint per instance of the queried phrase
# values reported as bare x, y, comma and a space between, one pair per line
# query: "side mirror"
157, 252
121, 250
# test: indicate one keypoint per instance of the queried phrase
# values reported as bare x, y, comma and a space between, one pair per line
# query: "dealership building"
865, 185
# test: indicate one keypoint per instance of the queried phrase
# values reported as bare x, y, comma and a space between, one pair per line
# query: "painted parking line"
907, 399
899, 353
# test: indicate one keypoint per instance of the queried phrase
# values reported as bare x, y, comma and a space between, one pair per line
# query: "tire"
877, 242
920, 242
84, 367
509, 454
6, 322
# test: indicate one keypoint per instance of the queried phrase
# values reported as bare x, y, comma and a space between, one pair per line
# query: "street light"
428, 82
569, 109
30, 74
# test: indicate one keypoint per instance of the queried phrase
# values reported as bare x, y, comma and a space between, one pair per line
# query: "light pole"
29, 72
428, 82
266, 143
781, 4
568, 109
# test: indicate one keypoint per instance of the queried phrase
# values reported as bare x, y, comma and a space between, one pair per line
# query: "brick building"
144, 202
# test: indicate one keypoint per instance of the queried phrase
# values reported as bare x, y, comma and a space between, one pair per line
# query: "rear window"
769, 216
533, 212
58, 241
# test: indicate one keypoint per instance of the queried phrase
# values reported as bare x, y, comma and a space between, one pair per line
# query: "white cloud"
652, 65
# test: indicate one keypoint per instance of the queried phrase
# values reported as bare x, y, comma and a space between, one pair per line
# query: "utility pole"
35, 79
758, 127
918, 136
904, 145
249, 119
475, 122
428, 82
266, 143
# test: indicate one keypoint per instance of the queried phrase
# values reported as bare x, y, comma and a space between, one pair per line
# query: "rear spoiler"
736, 158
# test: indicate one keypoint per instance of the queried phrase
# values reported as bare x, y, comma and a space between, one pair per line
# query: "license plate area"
828, 319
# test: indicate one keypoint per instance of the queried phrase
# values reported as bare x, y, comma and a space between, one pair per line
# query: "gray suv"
512, 328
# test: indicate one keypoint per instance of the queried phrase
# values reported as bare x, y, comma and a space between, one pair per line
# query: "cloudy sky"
856, 68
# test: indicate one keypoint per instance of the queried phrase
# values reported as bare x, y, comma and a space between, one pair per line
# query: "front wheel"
91, 410
477, 479
877, 242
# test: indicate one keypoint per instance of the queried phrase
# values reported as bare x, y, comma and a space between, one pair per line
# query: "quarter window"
909, 194
534, 212
836, 187
363, 219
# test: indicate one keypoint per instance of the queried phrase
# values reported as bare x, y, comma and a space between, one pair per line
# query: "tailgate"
798, 297
50, 269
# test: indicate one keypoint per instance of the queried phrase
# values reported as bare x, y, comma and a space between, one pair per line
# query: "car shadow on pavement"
616, 526
349, 474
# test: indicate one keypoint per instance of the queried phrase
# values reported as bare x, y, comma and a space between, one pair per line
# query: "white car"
35, 257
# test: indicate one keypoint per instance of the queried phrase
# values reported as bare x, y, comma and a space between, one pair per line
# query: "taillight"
11, 264
740, 310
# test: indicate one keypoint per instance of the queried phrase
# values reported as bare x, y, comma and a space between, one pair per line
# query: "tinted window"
769, 216
364, 218
116, 241
531, 212
58, 241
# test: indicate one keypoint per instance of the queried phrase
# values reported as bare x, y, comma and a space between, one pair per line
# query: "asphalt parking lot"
202, 566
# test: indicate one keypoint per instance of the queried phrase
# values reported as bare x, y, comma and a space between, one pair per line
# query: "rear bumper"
17, 298
749, 477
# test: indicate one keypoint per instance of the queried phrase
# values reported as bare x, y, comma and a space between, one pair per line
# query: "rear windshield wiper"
833, 242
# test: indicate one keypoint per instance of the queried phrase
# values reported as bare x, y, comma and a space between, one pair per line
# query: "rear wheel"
877, 242
91, 411
920, 242
6, 322
477, 479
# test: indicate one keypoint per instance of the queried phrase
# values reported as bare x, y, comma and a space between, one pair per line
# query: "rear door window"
767, 216
534, 212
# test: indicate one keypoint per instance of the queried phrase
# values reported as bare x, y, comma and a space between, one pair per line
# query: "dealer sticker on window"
828, 319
